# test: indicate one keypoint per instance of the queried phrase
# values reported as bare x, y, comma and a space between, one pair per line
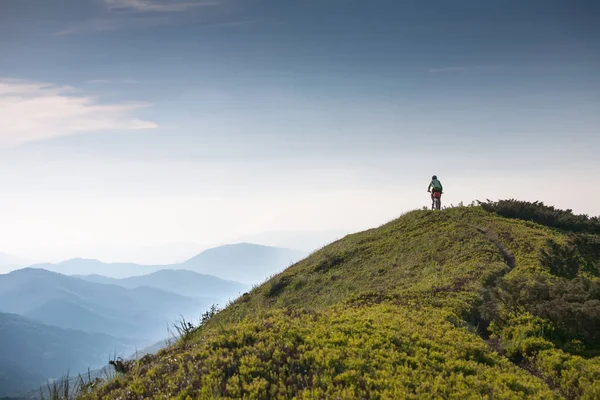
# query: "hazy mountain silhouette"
69, 302
242, 262
31, 352
307, 241
183, 282
82, 266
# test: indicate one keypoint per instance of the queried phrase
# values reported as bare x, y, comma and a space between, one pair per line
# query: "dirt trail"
509, 257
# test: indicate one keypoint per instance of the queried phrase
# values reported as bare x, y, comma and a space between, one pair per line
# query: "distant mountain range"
31, 352
69, 302
308, 241
243, 262
183, 282
82, 266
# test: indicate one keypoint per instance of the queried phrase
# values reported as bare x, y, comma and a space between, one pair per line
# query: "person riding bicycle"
435, 186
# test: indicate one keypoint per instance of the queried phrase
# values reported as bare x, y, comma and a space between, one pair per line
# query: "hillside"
462, 303
31, 352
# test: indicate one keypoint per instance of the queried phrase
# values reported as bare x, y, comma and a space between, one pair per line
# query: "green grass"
412, 309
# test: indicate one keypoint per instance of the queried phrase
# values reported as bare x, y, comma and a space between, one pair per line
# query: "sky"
148, 130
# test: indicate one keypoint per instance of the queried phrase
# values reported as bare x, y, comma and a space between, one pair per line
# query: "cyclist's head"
434, 177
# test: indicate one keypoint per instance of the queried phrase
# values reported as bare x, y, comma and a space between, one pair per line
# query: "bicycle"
436, 200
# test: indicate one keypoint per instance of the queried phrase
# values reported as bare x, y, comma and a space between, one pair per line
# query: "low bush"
577, 377
542, 214
571, 306
278, 286
562, 260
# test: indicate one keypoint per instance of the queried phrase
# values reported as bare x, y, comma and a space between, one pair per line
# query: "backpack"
436, 184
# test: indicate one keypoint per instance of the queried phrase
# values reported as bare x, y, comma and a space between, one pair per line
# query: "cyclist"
435, 186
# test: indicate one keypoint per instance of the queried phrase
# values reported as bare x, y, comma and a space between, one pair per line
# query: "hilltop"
495, 301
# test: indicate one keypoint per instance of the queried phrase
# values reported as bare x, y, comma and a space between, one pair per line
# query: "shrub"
589, 250
571, 306
334, 260
523, 335
278, 285
561, 260
184, 328
210, 313
121, 366
577, 377
542, 214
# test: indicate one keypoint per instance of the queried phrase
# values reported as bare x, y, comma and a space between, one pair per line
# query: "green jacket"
436, 185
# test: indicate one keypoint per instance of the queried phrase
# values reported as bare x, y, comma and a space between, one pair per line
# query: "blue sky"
148, 123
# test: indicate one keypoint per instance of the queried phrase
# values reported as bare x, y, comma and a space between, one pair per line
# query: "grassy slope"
379, 314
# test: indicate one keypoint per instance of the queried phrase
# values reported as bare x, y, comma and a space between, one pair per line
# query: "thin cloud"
144, 14
137, 22
464, 68
108, 82
157, 5
114, 23
33, 111
92, 25
232, 23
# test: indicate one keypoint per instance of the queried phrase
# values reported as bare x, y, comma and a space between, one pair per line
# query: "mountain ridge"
252, 262
184, 282
237, 261
68, 302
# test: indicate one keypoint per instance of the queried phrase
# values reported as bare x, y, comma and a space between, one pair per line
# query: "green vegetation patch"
378, 352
